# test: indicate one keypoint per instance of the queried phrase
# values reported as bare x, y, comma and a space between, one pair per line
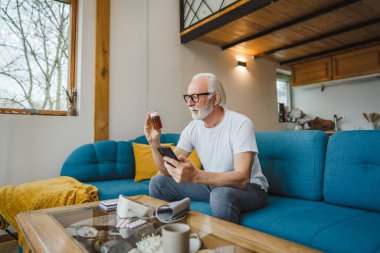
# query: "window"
37, 56
284, 90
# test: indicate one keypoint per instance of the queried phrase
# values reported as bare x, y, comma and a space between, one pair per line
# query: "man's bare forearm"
232, 179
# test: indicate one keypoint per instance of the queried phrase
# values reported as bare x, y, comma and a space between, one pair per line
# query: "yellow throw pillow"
145, 166
194, 159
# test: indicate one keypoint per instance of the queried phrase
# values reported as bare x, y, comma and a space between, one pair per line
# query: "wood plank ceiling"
292, 30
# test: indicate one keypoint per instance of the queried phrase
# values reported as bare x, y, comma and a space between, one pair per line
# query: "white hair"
214, 85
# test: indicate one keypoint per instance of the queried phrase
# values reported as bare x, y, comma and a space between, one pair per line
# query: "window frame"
287, 77
71, 86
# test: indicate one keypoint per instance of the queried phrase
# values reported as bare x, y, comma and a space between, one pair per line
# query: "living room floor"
9, 247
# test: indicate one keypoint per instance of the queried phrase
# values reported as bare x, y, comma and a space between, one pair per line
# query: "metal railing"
194, 11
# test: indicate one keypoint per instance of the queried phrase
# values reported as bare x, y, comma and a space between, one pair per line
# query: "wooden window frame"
288, 79
71, 71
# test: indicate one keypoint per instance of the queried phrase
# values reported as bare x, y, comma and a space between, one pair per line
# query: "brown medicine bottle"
156, 120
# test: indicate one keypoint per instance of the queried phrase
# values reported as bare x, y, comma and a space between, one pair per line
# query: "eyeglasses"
195, 97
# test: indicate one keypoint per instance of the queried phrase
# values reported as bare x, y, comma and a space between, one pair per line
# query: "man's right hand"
153, 136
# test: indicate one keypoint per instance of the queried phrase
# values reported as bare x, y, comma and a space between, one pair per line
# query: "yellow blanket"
60, 191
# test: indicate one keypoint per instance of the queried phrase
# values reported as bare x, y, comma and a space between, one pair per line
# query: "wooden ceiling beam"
291, 22
331, 51
321, 37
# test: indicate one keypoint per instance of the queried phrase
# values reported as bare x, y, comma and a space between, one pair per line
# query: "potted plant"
371, 118
71, 96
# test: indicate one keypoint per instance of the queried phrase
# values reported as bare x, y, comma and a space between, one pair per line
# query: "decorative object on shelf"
298, 126
71, 96
296, 114
281, 113
371, 118
336, 120
320, 124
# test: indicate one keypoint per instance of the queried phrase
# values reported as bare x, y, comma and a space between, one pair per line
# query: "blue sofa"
324, 193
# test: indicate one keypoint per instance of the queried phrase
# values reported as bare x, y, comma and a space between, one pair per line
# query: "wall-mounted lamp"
242, 64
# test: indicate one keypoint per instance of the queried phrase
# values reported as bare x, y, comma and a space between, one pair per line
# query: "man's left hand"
183, 171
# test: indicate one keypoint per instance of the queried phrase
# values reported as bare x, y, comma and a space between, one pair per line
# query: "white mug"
175, 238
122, 207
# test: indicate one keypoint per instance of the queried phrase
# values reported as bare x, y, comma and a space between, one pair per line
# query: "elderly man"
225, 141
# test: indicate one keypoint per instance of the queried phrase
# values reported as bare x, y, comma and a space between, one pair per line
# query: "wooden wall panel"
102, 69
356, 63
314, 71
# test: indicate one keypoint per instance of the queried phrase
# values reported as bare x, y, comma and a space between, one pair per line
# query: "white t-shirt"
217, 146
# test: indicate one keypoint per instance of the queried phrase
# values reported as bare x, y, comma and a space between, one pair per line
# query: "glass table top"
95, 229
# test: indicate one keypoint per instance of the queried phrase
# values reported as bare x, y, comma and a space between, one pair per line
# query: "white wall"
34, 147
149, 68
348, 98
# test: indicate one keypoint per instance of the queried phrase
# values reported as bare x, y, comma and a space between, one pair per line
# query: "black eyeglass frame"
195, 97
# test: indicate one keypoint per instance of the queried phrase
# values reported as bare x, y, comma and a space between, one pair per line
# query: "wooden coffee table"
46, 230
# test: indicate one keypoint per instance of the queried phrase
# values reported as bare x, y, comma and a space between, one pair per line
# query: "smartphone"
167, 151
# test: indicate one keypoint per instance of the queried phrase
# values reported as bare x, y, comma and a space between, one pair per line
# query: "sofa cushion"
113, 188
293, 162
318, 225
200, 206
103, 160
145, 168
165, 138
352, 176
106, 160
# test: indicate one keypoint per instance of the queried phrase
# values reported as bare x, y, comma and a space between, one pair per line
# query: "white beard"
201, 113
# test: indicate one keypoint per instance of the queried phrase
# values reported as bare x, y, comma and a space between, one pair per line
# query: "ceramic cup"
175, 238
122, 207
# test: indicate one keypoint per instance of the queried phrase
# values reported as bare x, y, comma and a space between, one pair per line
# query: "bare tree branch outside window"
34, 51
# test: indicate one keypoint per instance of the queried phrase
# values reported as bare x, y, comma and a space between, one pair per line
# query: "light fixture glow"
242, 64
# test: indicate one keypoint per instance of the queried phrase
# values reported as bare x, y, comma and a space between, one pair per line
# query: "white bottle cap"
154, 114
